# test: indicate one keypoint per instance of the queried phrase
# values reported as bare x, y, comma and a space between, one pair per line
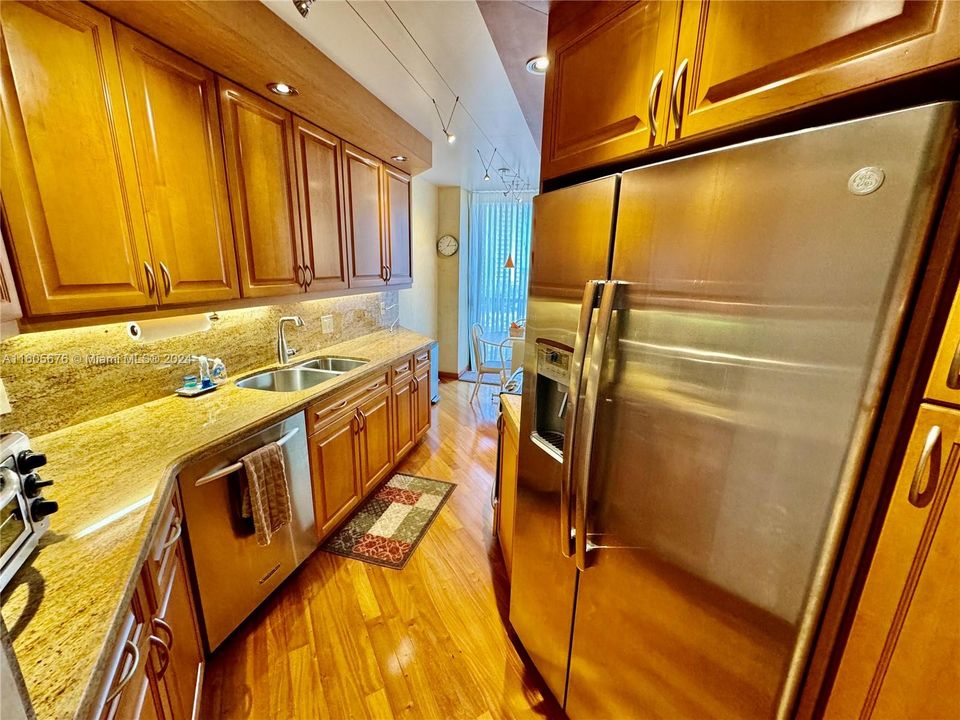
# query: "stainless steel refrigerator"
708, 341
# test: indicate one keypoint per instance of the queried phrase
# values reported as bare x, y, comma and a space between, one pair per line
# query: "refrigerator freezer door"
572, 233
748, 351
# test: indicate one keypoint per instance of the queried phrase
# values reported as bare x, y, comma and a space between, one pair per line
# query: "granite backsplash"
63, 377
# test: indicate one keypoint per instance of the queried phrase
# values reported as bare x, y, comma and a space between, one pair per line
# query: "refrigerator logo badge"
865, 180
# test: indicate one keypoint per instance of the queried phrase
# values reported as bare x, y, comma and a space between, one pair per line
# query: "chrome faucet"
284, 353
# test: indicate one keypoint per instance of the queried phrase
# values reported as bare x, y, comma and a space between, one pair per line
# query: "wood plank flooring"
346, 639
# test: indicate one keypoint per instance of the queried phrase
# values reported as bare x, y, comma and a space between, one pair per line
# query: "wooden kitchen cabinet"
363, 181
421, 401
336, 469
507, 449
404, 423
172, 105
258, 139
396, 225
9, 300
75, 219
749, 60
322, 222
608, 87
376, 442
944, 382
902, 656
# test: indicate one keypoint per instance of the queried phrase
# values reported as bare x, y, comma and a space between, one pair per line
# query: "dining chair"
480, 346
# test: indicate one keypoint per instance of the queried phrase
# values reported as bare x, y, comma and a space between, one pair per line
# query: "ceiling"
455, 37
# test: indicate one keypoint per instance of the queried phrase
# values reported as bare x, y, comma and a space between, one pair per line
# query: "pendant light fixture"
451, 138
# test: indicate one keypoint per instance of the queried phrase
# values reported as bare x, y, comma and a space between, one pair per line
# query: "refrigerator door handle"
582, 459
573, 405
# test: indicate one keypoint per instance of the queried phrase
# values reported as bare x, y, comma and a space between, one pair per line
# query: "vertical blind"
499, 228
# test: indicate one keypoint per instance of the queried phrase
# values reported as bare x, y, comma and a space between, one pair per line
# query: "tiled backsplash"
63, 377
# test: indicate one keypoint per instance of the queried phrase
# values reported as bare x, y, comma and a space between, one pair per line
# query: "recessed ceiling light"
538, 65
283, 89
399, 158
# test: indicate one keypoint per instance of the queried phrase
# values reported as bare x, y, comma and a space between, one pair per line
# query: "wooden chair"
480, 355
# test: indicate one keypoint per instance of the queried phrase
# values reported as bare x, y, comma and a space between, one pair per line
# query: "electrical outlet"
383, 309
326, 323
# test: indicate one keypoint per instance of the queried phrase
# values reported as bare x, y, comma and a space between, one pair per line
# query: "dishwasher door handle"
223, 472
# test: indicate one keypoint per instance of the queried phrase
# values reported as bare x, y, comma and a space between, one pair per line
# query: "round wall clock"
447, 245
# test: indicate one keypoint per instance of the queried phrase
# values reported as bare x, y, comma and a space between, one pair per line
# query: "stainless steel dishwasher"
235, 574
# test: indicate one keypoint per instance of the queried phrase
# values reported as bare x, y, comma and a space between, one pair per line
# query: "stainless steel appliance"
24, 513
235, 574
731, 319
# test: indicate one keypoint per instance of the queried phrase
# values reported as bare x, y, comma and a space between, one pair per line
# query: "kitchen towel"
264, 494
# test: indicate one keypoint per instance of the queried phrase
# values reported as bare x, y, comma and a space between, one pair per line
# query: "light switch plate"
326, 323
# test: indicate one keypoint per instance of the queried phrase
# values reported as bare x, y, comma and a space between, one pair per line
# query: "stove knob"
40, 508
28, 461
33, 485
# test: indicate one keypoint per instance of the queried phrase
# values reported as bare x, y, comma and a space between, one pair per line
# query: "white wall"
452, 281
418, 305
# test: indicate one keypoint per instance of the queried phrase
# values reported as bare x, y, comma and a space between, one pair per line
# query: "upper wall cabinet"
740, 61
69, 181
176, 130
362, 181
396, 225
258, 139
322, 226
606, 97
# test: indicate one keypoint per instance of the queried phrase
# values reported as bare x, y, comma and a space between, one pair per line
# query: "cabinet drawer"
322, 413
422, 359
402, 368
162, 556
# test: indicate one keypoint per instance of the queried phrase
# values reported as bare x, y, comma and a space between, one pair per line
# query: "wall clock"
447, 246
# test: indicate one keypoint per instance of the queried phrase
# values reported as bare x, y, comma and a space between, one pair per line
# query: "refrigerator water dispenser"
553, 376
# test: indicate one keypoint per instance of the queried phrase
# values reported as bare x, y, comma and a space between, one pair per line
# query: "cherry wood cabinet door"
172, 104
336, 468
258, 140
376, 440
421, 401
69, 184
404, 423
747, 60
396, 224
320, 189
902, 657
362, 185
608, 85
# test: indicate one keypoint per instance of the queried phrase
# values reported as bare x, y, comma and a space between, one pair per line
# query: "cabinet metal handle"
130, 648
300, 277
165, 626
177, 531
653, 102
151, 279
308, 269
356, 416
167, 280
383, 273
363, 420
374, 386
389, 273
674, 95
953, 375
930, 455
165, 660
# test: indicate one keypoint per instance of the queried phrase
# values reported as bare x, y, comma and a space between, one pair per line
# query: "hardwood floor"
346, 639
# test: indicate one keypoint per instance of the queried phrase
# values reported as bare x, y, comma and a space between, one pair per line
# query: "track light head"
303, 6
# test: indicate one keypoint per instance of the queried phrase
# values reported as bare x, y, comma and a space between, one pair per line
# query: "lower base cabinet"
158, 664
335, 469
506, 502
376, 447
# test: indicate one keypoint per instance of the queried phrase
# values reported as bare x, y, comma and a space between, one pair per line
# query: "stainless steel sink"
286, 379
333, 364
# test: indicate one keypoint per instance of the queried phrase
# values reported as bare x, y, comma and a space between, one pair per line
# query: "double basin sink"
301, 376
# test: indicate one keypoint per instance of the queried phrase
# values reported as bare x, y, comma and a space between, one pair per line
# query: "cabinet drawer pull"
165, 660
163, 625
131, 649
953, 375
675, 96
929, 456
374, 386
652, 102
167, 280
151, 279
339, 406
174, 536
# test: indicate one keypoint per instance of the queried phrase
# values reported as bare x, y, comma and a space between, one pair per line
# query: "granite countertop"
510, 404
112, 474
